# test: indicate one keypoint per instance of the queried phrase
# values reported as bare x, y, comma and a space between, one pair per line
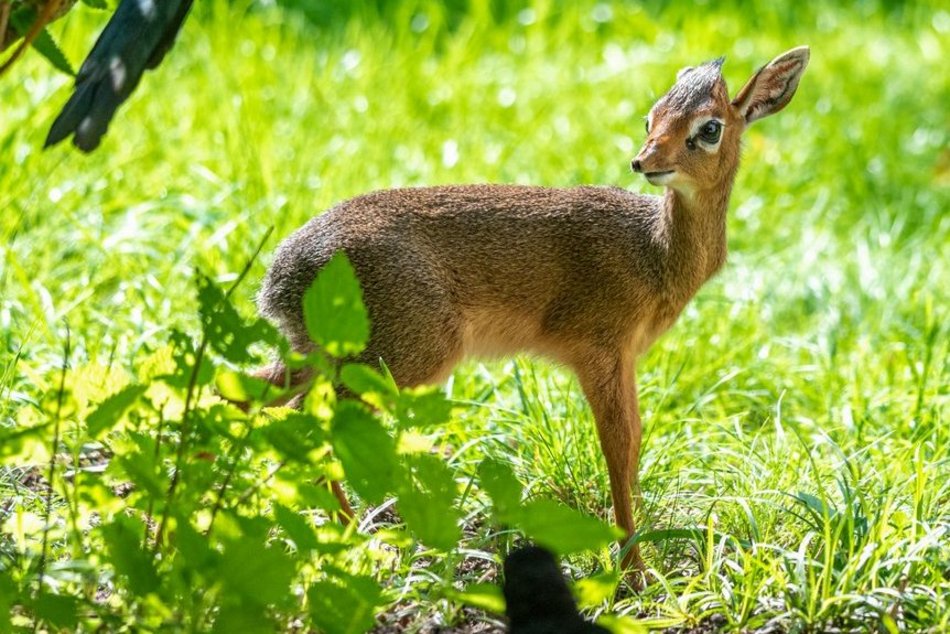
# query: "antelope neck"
695, 232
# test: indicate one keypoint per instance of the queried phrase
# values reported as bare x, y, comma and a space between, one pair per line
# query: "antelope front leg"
609, 381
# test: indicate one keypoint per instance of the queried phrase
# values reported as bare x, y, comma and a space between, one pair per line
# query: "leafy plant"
204, 514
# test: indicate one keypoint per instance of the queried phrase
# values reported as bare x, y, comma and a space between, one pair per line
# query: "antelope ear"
683, 71
773, 86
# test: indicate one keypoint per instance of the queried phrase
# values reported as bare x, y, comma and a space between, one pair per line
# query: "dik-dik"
587, 276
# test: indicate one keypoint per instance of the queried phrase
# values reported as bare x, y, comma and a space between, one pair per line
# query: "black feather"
136, 38
537, 597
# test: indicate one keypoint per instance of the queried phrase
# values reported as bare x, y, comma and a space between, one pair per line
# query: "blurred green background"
819, 353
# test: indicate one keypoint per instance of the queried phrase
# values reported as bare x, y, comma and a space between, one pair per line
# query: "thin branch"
49, 10
4, 21
52, 472
234, 459
190, 398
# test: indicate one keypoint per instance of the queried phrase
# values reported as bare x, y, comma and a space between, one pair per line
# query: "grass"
796, 414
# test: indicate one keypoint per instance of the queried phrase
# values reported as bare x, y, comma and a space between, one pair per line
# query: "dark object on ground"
136, 38
538, 599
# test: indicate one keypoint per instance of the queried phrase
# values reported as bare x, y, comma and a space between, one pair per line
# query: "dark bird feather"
136, 38
537, 597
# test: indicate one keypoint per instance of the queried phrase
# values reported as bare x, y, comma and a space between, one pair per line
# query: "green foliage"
333, 309
367, 452
196, 541
22, 19
553, 525
795, 461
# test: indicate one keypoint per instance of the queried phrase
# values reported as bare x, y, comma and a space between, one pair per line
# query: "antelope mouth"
659, 178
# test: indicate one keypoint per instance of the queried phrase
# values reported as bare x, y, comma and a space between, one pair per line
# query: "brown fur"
588, 276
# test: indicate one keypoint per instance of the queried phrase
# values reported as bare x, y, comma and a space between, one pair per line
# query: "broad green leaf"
14, 439
226, 331
256, 574
427, 503
294, 436
48, 48
363, 380
96, 4
196, 551
347, 607
623, 625
484, 596
238, 387
562, 529
394, 537
58, 610
594, 590
22, 20
333, 309
298, 529
185, 357
143, 472
332, 539
502, 486
366, 451
424, 406
313, 496
8, 596
123, 538
243, 618
110, 411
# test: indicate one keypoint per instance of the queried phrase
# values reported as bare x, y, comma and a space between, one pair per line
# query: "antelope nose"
636, 166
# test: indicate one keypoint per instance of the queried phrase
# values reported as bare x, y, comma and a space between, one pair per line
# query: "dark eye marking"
710, 131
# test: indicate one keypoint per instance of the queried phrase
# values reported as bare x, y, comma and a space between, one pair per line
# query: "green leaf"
226, 331
818, 509
96, 4
142, 470
313, 496
57, 610
427, 503
362, 379
185, 357
593, 591
348, 608
238, 387
294, 436
333, 309
196, 552
423, 406
112, 409
484, 596
623, 624
562, 529
8, 596
298, 529
366, 451
12, 439
503, 488
256, 574
241, 618
22, 20
123, 538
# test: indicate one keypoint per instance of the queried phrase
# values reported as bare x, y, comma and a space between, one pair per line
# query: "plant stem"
41, 570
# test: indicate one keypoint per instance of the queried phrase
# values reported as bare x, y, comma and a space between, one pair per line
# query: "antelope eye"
710, 132
647, 125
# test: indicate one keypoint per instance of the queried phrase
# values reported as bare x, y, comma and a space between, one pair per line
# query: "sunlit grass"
796, 412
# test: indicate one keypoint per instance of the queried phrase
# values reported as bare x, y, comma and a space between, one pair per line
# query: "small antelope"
587, 276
